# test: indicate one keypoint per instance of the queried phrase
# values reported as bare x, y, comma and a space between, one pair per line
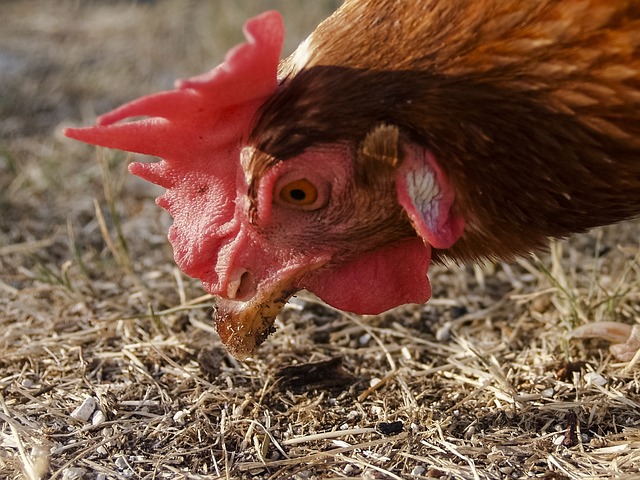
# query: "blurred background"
63, 63
61, 60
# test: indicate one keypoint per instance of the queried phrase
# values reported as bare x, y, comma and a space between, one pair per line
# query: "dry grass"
483, 380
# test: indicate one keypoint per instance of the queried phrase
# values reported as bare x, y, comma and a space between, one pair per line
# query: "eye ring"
300, 193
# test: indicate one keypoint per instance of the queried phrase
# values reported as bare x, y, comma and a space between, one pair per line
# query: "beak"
246, 313
244, 326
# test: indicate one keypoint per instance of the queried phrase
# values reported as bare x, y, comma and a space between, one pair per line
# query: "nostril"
247, 287
242, 287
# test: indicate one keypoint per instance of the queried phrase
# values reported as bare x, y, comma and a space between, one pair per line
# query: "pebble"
417, 471
443, 334
303, 475
594, 378
102, 450
73, 473
97, 418
557, 441
348, 469
180, 417
547, 393
85, 410
121, 462
406, 354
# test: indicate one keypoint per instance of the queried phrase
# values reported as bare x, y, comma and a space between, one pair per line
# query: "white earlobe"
425, 194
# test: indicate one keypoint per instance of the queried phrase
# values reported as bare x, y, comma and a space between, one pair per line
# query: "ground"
482, 382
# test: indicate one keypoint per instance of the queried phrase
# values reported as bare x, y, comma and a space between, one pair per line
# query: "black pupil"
298, 194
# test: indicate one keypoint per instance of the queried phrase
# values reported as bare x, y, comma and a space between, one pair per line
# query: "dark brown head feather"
532, 109
521, 171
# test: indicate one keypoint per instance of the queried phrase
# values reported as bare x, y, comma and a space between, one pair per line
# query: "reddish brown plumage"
532, 109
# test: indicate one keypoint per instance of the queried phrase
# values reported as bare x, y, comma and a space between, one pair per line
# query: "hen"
397, 132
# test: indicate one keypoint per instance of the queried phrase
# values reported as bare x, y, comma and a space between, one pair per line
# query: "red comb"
199, 105
198, 129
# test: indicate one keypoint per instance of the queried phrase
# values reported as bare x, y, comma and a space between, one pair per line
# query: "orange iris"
299, 192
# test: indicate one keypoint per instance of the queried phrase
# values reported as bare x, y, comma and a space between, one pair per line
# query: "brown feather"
532, 109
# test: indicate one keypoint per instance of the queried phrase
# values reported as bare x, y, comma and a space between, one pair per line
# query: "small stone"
417, 471
180, 417
97, 418
26, 383
85, 410
121, 462
594, 378
406, 354
352, 415
443, 334
73, 473
547, 393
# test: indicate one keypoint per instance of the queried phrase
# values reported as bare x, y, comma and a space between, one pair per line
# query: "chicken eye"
299, 192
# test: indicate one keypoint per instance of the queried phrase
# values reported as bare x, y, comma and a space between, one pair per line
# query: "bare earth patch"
109, 366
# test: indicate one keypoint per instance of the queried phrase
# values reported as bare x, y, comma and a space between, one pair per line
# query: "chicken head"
352, 223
